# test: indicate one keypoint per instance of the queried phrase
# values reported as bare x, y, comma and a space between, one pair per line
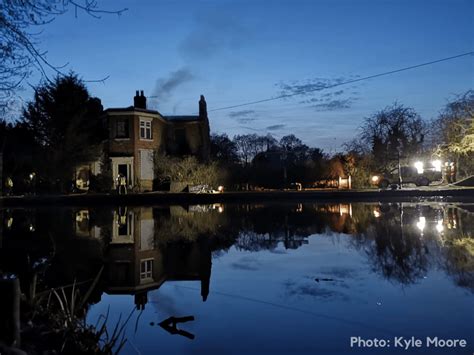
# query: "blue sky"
239, 51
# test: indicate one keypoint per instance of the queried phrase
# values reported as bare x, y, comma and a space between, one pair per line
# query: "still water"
253, 279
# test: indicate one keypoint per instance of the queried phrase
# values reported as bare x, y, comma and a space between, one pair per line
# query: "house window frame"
145, 128
147, 274
126, 128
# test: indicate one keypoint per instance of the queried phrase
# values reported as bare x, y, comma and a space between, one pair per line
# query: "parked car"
409, 175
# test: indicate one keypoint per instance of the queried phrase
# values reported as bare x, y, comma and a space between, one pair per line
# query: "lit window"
145, 129
122, 128
146, 269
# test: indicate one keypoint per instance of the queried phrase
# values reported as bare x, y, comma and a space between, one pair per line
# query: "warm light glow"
375, 178
421, 223
32, 228
439, 226
345, 209
437, 164
419, 167
220, 188
218, 207
32, 175
377, 213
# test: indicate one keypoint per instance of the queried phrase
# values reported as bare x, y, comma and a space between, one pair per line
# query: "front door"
123, 169
122, 166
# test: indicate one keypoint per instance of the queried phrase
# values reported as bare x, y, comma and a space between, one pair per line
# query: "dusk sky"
239, 51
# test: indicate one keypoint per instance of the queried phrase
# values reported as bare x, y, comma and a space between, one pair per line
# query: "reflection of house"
135, 265
83, 173
82, 225
136, 132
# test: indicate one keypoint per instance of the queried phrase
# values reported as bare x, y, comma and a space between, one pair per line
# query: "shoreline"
166, 198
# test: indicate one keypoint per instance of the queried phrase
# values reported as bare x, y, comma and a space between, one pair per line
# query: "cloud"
339, 272
310, 89
165, 87
308, 86
313, 289
251, 128
244, 116
236, 114
334, 105
275, 127
247, 263
213, 33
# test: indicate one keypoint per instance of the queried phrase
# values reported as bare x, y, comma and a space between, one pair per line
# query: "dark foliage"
65, 124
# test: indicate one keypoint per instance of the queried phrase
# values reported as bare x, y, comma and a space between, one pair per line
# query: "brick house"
136, 132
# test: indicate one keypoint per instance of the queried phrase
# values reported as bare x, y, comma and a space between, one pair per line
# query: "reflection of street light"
218, 207
421, 223
439, 226
399, 164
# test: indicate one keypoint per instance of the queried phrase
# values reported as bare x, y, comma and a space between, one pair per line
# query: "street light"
419, 167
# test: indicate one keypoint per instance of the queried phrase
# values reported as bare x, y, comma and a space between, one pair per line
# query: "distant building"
136, 133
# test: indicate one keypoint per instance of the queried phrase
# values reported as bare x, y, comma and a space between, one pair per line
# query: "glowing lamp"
419, 167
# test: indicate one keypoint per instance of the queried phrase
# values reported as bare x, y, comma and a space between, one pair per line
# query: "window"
122, 128
145, 129
146, 269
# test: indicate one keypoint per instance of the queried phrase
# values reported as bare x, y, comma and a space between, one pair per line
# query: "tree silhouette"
66, 124
392, 131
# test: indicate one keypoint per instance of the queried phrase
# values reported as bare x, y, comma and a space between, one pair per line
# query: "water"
270, 278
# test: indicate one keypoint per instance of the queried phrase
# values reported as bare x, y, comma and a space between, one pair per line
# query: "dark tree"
19, 154
394, 130
249, 145
223, 149
65, 122
290, 142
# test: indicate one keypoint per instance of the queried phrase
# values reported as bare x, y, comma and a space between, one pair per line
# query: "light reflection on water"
275, 278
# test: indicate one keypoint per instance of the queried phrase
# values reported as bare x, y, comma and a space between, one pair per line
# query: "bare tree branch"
20, 55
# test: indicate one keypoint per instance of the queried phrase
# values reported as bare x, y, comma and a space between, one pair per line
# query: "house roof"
172, 118
132, 109
181, 118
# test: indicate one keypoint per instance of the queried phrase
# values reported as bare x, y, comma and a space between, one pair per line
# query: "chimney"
139, 101
202, 108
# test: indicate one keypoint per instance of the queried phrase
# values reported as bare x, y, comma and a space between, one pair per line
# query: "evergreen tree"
65, 123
